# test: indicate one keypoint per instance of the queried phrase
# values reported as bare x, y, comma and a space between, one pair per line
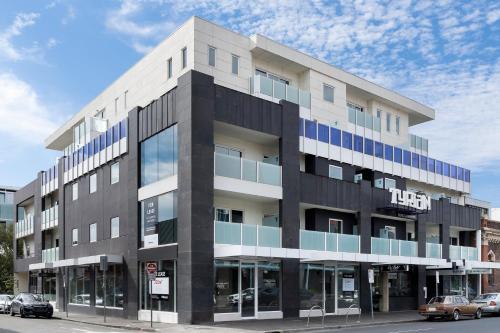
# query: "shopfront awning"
462, 267
40, 266
90, 260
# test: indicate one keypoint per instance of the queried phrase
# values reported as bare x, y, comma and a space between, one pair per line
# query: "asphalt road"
486, 324
10, 324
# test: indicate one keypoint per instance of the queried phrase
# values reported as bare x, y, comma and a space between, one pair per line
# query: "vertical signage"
150, 219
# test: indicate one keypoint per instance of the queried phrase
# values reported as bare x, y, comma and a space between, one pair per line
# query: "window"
125, 100
389, 183
169, 68
335, 172
79, 285
397, 124
116, 105
160, 303
75, 191
327, 93
115, 173
379, 114
227, 151
114, 285
184, 57
211, 56
159, 156
388, 122
235, 64
74, 237
100, 113
93, 233
93, 182
334, 226
115, 227
228, 215
159, 220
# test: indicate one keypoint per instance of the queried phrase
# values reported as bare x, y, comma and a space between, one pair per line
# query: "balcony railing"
434, 250
249, 170
394, 247
325, 241
279, 90
25, 227
50, 218
247, 234
50, 255
463, 252
363, 119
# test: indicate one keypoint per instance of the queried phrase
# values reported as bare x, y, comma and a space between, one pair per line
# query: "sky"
55, 56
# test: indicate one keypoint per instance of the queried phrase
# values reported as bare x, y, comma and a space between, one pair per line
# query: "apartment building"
490, 229
259, 180
6, 205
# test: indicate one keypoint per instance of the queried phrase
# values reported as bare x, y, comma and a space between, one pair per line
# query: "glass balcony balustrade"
434, 250
50, 217
325, 241
363, 119
247, 234
463, 252
25, 227
279, 90
249, 170
50, 255
393, 247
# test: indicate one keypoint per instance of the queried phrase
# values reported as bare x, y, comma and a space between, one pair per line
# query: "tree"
7, 259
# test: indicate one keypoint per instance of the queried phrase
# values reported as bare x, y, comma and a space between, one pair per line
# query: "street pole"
151, 299
104, 293
66, 296
371, 298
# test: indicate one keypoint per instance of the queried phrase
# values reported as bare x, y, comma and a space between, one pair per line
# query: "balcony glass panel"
351, 115
381, 246
250, 170
269, 236
312, 240
249, 234
348, 243
279, 90
227, 166
394, 247
408, 248
433, 250
360, 118
331, 242
305, 99
376, 124
266, 86
369, 121
473, 254
454, 252
269, 174
227, 233
292, 94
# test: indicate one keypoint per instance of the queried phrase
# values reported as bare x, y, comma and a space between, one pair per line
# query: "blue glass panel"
346, 140
335, 136
301, 127
460, 173
432, 164
50, 174
369, 147
453, 171
358, 143
388, 152
90, 148
56, 172
66, 163
310, 129
75, 159
80, 155
423, 162
84, 148
96, 145
323, 133
70, 161
102, 141
379, 149
446, 169
439, 167
415, 160
123, 128
109, 133
116, 133
467, 176
398, 155
406, 157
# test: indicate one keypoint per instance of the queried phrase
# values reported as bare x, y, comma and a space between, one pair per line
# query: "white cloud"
7, 49
70, 15
24, 116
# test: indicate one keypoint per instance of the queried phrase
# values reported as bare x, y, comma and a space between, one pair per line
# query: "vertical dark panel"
154, 117
149, 112
195, 109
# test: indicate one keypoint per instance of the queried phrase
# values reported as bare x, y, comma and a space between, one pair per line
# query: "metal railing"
322, 315
352, 306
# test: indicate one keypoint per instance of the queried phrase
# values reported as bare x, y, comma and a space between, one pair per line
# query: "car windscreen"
440, 300
33, 298
486, 297
5, 298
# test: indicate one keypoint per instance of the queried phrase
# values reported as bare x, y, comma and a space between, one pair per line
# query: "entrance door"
330, 289
247, 291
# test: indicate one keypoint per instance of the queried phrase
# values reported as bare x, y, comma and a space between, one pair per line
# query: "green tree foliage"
7, 259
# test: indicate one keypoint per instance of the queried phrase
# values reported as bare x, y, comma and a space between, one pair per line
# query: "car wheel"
49, 316
478, 314
430, 318
12, 312
456, 315
21, 313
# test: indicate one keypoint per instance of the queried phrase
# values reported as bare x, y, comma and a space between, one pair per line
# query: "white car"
490, 303
5, 302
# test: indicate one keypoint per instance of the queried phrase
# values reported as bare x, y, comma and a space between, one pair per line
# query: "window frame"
209, 54
335, 167
169, 68
73, 241
74, 190
93, 176
184, 57
390, 179
340, 222
93, 233
111, 222
388, 122
233, 58
325, 89
111, 168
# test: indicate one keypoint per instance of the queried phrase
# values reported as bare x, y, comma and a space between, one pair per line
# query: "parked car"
490, 303
26, 304
5, 301
451, 307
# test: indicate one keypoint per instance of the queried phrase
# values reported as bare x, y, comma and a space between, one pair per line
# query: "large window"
115, 173
159, 220
115, 227
269, 286
93, 233
79, 285
163, 302
75, 191
159, 156
93, 182
114, 286
311, 286
348, 286
226, 293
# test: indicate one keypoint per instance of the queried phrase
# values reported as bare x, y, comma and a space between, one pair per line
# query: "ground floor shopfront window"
49, 286
165, 303
236, 284
330, 287
79, 285
114, 286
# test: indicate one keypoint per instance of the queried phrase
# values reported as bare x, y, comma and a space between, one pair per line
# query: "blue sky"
55, 56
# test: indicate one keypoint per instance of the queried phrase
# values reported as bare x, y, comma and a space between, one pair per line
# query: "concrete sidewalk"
274, 325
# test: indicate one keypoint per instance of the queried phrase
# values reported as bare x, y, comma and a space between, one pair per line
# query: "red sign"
151, 267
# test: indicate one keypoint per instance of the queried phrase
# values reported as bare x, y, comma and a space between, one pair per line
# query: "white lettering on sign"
410, 199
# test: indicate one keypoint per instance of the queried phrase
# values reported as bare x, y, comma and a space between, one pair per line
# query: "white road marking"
417, 330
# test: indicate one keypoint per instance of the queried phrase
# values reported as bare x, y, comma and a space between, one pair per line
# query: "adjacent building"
491, 250
258, 180
7, 205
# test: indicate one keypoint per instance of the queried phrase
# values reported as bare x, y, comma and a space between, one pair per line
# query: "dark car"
26, 304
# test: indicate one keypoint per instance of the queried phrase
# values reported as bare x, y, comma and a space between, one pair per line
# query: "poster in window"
150, 222
160, 286
347, 284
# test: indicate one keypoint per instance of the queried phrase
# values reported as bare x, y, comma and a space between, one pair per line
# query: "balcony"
50, 218
50, 255
325, 241
434, 250
266, 87
393, 247
247, 234
463, 252
25, 227
363, 119
248, 170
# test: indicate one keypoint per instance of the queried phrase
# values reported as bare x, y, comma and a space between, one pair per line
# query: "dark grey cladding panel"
158, 253
22, 265
157, 115
318, 219
26, 192
247, 111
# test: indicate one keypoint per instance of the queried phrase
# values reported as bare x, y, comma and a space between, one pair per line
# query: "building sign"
160, 285
410, 199
150, 222
395, 268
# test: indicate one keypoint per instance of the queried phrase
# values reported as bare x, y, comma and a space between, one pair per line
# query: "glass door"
247, 291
